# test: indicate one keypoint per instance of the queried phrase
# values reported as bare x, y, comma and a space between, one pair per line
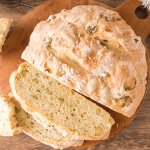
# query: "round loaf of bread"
94, 51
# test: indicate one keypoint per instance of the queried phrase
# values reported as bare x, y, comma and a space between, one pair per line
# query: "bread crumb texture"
39, 132
58, 105
92, 50
8, 122
4, 28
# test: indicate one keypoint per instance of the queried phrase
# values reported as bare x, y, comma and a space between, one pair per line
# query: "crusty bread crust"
92, 50
66, 145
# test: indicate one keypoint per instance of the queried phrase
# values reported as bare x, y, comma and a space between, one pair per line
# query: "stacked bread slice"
39, 132
58, 107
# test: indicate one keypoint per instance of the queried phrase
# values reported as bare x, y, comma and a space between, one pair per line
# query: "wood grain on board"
135, 136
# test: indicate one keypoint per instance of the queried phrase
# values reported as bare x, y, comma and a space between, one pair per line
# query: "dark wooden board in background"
135, 136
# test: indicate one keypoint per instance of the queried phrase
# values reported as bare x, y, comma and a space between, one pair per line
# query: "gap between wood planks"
23, 4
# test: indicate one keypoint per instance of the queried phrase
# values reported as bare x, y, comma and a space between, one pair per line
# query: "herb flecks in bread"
82, 49
8, 122
39, 132
55, 104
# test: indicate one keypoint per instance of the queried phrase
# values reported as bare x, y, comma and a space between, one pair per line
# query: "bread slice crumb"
8, 122
4, 28
37, 131
48, 100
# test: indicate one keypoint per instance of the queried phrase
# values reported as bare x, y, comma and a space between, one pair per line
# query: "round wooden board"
19, 38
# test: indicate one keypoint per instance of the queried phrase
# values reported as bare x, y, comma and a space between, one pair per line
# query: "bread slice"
32, 128
4, 28
8, 122
52, 102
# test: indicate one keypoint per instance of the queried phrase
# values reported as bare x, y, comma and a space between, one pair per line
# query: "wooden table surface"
135, 137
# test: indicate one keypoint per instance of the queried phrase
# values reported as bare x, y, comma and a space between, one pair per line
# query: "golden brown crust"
92, 50
24, 121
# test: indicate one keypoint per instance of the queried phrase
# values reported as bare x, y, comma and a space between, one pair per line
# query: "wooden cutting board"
19, 38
